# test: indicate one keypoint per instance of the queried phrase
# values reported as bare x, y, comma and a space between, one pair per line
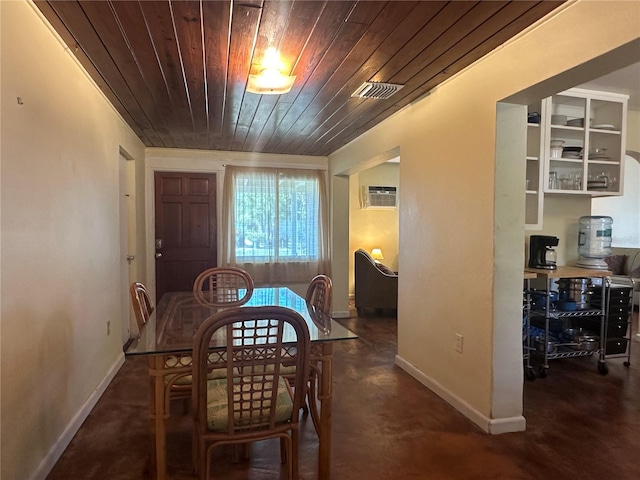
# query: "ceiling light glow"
270, 80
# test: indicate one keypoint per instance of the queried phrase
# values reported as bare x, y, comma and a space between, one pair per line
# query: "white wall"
633, 130
625, 210
453, 207
60, 243
371, 227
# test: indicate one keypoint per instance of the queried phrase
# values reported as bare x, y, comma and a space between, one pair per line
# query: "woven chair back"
247, 403
319, 293
223, 286
142, 305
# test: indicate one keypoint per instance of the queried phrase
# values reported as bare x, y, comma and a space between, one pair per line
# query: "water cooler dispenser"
594, 241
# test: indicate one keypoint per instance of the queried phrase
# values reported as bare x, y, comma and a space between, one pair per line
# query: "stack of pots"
576, 289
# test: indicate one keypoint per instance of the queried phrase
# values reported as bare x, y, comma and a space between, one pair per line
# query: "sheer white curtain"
275, 223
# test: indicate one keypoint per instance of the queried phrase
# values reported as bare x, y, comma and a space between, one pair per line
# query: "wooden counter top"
565, 272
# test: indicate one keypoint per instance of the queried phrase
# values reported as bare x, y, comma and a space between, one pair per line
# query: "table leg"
158, 414
325, 395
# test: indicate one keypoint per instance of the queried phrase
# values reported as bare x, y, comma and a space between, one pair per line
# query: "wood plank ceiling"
177, 70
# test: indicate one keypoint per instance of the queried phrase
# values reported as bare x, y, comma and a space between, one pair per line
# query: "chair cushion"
285, 369
174, 362
187, 379
217, 417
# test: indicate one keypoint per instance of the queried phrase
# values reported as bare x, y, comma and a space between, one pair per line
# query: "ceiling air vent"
378, 90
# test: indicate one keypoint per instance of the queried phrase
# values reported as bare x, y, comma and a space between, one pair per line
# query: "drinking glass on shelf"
553, 180
577, 180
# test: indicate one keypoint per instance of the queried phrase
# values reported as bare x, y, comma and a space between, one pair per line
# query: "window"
276, 216
274, 220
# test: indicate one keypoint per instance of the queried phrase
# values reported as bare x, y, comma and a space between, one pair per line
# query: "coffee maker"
541, 252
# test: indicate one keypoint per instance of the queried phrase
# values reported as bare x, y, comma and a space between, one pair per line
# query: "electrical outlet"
108, 327
459, 339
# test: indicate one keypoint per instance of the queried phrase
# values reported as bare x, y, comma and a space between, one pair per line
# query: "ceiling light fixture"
270, 80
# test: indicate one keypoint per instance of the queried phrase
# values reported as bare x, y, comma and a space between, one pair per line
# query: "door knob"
158, 255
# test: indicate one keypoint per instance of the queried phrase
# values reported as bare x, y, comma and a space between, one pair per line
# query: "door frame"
128, 229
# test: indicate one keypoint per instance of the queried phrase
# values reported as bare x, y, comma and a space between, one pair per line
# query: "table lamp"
376, 254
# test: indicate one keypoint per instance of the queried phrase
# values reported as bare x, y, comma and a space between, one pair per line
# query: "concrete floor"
580, 424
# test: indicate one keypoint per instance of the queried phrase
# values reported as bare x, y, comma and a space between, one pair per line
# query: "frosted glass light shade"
270, 82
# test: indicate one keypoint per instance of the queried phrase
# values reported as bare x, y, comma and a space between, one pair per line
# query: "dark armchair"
375, 284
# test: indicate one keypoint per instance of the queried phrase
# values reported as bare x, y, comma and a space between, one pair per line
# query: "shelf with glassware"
579, 121
534, 199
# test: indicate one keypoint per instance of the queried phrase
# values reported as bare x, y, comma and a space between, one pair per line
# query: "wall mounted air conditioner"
375, 196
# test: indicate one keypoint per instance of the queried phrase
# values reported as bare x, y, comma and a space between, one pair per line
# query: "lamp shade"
376, 254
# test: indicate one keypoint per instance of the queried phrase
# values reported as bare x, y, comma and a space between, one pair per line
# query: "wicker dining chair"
319, 293
178, 383
254, 401
318, 297
142, 305
214, 287
223, 286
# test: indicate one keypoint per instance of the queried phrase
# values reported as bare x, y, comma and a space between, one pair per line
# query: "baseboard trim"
488, 425
340, 314
63, 441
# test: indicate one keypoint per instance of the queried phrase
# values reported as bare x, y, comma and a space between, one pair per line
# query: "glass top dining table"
167, 341
174, 322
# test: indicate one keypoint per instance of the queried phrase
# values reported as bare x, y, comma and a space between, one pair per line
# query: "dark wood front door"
186, 229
